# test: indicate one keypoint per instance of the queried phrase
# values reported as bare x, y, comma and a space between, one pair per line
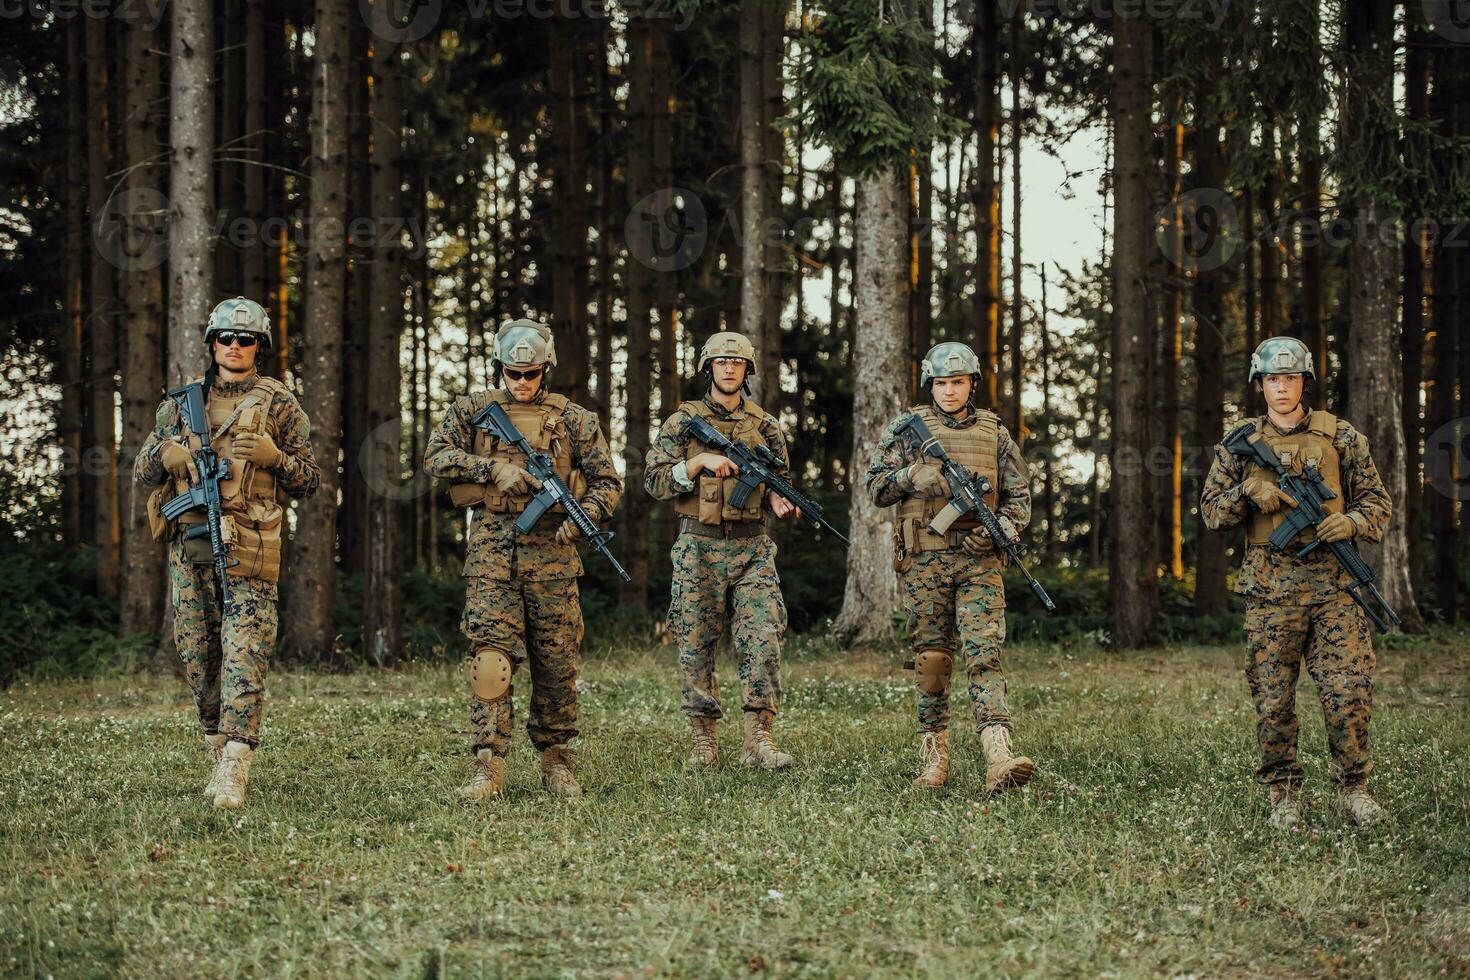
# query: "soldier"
521, 598
260, 428
951, 583
724, 561
1296, 607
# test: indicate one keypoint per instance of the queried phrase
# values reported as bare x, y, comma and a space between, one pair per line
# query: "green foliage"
870, 86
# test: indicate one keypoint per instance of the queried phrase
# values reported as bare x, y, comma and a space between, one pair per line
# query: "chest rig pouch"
251, 500
976, 448
710, 503
544, 425
1310, 448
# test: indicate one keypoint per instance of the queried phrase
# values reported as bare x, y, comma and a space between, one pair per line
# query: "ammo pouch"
157, 523
711, 499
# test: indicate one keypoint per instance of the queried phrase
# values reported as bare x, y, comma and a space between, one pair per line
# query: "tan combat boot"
234, 773
1005, 770
760, 749
1286, 806
215, 744
1358, 806
556, 773
934, 755
706, 742
487, 779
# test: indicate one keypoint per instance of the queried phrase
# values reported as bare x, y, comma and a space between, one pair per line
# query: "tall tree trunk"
351, 516
985, 41
71, 374
639, 304
1134, 556
1374, 351
569, 265
230, 101
1018, 295
756, 206
102, 316
1442, 453
191, 187
1048, 477
313, 584
665, 526
1416, 89
605, 209
1249, 403
1211, 561
870, 597
382, 614
252, 149
1270, 245
773, 106
1314, 323
1172, 512
143, 571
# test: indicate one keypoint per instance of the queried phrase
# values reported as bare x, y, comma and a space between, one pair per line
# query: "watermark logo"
132, 231
401, 21
1207, 216
667, 230
1450, 19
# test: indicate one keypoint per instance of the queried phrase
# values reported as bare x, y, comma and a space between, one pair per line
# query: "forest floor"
1141, 847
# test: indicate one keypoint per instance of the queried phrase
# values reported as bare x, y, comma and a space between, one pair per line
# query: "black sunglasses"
243, 339
530, 375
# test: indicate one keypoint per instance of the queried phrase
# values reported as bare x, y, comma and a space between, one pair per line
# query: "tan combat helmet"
948, 360
522, 344
728, 344
239, 315
1281, 355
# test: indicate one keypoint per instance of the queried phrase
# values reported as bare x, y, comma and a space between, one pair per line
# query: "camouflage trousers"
948, 593
1334, 640
719, 583
535, 622
225, 655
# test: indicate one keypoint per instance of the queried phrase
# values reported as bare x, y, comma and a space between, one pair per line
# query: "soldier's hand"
1267, 496
512, 480
978, 542
1337, 527
178, 461
714, 464
927, 479
258, 448
568, 532
782, 507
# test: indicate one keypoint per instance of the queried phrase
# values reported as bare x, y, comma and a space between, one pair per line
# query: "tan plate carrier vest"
543, 424
252, 503
709, 504
1312, 445
977, 449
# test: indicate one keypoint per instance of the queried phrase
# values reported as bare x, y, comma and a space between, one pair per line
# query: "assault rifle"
758, 465
1311, 495
967, 496
495, 421
212, 469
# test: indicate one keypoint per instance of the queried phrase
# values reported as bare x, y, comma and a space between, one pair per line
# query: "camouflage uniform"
226, 653
952, 598
724, 574
1296, 609
521, 593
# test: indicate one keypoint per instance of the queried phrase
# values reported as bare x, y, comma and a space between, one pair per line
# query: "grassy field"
1140, 848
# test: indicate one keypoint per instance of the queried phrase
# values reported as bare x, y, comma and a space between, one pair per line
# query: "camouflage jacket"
1276, 576
665, 477
494, 550
297, 473
894, 455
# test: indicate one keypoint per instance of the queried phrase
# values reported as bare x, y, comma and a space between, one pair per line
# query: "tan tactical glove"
1337, 527
179, 462
512, 480
979, 541
258, 448
927, 479
1267, 496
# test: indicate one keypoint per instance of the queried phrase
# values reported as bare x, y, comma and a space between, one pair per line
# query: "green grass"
1140, 848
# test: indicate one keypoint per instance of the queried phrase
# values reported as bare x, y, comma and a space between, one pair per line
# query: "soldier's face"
522, 383
728, 373
232, 356
1283, 392
952, 394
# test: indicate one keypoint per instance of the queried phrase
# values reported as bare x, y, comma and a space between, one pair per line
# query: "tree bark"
191, 187
1416, 90
102, 315
1018, 297
308, 620
71, 374
1374, 365
569, 266
252, 149
870, 597
143, 571
756, 206
1211, 560
1133, 559
985, 42
1172, 511
382, 613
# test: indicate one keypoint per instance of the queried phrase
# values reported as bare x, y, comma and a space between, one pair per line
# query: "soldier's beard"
728, 387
